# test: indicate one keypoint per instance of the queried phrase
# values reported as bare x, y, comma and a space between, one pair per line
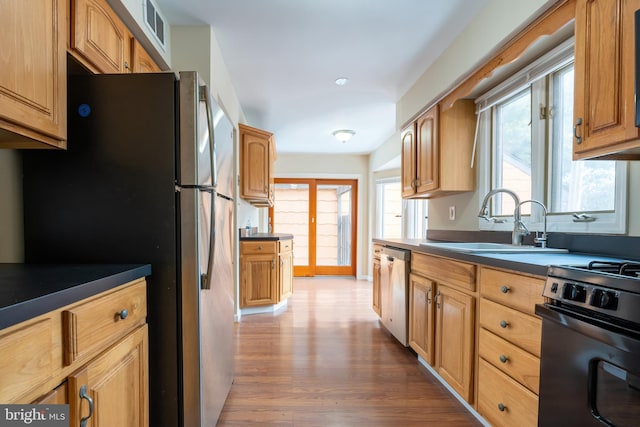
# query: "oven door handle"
616, 336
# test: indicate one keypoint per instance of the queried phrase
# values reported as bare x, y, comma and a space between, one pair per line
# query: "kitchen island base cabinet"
266, 272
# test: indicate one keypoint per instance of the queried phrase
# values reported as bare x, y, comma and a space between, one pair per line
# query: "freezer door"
216, 318
196, 166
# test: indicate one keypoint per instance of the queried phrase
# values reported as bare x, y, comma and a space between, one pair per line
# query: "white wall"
335, 166
491, 29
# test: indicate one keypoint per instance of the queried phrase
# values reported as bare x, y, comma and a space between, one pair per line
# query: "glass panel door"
321, 215
290, 214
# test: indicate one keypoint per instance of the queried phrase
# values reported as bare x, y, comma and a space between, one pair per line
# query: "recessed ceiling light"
341, 81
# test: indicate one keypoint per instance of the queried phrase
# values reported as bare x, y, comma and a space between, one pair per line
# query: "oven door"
589, 371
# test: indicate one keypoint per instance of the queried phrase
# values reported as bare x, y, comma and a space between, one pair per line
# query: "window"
526, 138
397, 218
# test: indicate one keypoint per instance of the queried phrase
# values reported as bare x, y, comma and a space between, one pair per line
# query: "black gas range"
590, 353
606, 290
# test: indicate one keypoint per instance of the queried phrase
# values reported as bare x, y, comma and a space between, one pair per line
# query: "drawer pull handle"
504, 289
504, 324
503, 358
123, 314
501, 407
84, 395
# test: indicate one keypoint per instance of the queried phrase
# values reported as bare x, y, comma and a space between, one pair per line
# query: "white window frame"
414, 213
533, 75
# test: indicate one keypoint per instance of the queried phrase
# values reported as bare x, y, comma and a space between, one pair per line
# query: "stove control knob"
573, 292
604, 299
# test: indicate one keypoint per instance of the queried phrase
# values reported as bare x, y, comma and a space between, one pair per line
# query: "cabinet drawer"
520, 365
520, 329
285, 245
445, 270
93, 325
497, 391
27, 358
511, 289
258, 247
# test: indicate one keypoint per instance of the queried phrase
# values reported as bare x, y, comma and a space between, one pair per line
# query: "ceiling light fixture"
341, 81
343, 135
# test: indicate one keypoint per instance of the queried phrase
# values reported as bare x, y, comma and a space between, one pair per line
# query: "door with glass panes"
321, 214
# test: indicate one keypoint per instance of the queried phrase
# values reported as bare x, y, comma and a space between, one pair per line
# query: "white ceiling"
284, 56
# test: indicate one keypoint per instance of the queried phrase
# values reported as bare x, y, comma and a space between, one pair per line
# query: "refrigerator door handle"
205, 95
205, 280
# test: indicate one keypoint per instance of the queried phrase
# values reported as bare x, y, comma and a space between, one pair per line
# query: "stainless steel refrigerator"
148, 178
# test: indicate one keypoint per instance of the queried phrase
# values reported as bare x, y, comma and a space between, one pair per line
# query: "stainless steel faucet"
518, 227
542, 239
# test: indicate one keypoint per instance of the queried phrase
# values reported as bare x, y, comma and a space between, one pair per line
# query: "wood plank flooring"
325, 361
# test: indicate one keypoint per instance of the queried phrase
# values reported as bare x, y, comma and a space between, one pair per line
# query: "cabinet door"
454, 338
255, 166
258, 280
286, 275
604, 76
117, 384
33, 80
408, 158
421, 330
427, 151
376, 287
99, 36
141, 61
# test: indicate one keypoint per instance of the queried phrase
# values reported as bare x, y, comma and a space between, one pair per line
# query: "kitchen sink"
489, 247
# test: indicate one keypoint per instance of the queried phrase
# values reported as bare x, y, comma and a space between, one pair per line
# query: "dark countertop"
29, 290
532, 263
267, 236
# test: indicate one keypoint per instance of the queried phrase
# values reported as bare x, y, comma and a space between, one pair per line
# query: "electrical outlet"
452, 213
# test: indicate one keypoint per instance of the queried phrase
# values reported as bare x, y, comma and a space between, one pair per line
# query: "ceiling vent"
155, 21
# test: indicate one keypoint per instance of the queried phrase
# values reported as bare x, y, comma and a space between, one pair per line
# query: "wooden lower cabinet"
285, 273
442, 321
503, 401
376, 303
509, 347
112, 372
117, 384
455, 312
266, 272
421, 305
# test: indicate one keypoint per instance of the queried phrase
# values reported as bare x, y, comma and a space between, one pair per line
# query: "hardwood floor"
325, 361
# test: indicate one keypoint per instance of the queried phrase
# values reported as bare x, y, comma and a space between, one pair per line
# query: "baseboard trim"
264, 309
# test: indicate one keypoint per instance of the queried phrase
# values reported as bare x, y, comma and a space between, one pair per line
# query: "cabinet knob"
503, 358
575, 131
123, 314
504, 324
501, 407
504, 289
259, 248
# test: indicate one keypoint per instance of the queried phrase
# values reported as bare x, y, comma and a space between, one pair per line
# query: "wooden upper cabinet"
427, 151
141, 61
257, 154
99, 38
408, 158
604, 105
437, 150
33, 76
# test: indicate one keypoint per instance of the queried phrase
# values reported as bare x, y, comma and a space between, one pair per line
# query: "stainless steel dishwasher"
394, 280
